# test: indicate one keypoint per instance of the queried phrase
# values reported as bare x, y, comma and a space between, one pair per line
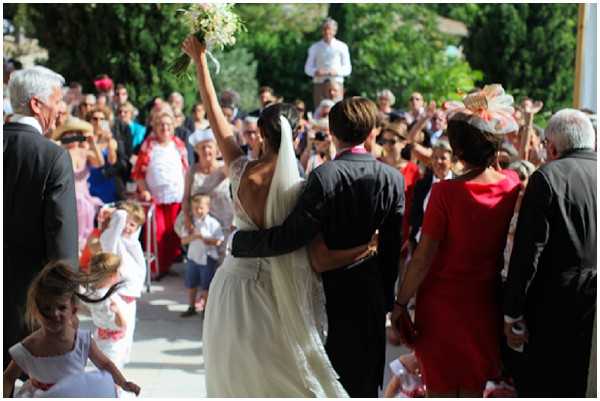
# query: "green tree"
132, 43
528, 48
400, 47
279, 36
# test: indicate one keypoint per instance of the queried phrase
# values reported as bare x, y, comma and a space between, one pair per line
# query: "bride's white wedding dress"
265, 321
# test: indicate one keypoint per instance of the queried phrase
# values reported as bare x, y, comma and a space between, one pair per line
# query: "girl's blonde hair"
134, 210
57, 280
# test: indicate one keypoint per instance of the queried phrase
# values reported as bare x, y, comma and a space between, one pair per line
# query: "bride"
265, 323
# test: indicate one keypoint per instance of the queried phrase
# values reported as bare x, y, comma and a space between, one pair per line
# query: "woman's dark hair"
472, 145
270, 125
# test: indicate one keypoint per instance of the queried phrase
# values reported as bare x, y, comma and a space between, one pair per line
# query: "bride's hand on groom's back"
323, 259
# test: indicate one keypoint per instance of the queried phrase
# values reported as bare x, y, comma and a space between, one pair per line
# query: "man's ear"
34, 106
552, 152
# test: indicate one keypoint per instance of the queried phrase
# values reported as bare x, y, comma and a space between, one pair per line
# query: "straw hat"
72, 124
489, 109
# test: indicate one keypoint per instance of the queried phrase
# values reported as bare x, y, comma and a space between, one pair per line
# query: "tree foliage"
132, 43
400, 47
279, 36
528, 48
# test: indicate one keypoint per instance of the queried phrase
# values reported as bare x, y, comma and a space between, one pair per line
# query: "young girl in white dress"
108, 316
54, 356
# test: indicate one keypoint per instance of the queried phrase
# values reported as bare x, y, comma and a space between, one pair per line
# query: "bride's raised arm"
219, 124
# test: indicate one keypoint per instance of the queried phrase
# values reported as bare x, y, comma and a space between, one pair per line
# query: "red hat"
103, 84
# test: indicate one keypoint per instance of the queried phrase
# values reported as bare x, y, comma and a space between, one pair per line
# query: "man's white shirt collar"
27, 120
448, 177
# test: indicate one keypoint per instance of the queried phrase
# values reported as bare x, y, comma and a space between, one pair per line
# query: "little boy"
203, 251
121, 237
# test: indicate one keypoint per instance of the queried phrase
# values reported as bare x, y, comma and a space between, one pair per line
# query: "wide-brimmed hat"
72, 124
201, 135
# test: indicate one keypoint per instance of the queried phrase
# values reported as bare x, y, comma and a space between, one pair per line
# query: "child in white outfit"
203, 253
121, 237
108, 316
55, 355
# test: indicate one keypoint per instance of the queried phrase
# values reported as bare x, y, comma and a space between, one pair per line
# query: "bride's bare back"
254, 189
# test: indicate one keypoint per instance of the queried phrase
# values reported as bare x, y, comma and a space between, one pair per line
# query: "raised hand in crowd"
528, 147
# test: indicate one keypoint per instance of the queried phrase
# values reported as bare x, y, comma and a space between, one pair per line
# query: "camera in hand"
320, 136
70, 138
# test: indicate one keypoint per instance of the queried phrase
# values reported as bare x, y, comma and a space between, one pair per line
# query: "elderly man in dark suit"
551, 286
40, 216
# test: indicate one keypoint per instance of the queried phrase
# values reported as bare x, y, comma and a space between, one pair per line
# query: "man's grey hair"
176, 95
251, 120
331, 22
90, 98
387, 94
570, 129
442, 144
36, 81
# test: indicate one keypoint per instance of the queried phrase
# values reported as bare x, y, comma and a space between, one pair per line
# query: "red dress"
458, 315
411, 176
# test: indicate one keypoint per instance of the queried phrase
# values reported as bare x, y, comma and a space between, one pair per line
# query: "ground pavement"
167, 357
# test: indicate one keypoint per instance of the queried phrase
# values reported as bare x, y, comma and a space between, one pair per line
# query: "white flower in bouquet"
214, 24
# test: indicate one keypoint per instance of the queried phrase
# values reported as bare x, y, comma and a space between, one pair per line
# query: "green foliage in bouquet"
216, 25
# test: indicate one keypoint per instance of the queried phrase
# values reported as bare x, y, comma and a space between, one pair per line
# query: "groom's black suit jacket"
346, 200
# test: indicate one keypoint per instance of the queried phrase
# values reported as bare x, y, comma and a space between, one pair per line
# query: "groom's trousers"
356, 322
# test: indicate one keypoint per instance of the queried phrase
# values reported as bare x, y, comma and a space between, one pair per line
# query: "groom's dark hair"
270, 125
352, 119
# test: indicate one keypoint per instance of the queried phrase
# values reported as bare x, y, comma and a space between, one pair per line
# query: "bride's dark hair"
270, 125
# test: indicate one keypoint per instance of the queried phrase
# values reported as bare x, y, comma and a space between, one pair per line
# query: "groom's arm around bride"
346, 200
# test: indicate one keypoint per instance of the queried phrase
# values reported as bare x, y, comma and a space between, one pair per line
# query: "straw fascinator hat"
73, 124
489, 110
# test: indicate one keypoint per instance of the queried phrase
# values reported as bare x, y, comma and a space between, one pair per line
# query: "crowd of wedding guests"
530, 237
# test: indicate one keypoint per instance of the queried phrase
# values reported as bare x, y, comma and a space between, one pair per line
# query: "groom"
346, 200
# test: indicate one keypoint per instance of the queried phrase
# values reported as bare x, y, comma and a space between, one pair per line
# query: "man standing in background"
328, 58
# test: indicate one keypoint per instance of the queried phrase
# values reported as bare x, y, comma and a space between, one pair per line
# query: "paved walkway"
167, 357
166, 360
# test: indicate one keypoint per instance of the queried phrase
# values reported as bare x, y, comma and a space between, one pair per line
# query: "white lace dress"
249, 349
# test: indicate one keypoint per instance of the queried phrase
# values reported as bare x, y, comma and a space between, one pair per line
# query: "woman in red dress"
456, 266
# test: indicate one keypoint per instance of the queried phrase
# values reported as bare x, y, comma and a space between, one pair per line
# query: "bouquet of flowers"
214, 24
